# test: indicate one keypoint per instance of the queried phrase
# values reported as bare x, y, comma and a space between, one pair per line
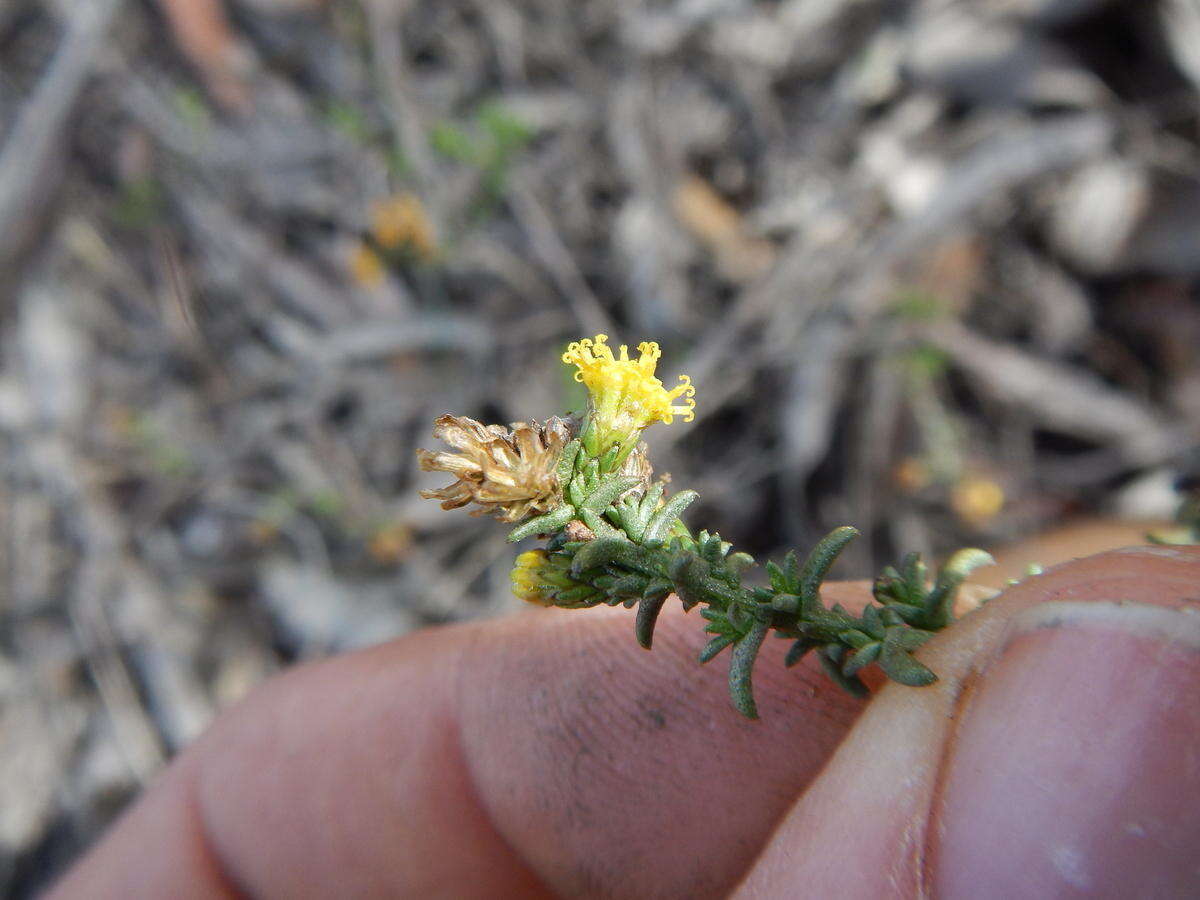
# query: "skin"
1058, 755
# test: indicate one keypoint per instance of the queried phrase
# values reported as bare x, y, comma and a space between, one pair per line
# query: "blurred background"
933, 267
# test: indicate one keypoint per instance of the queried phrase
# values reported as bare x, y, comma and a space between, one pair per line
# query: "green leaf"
661, 522
745, 651
453, 142
607, 551
862, 658
609, 459
657, 586
552, 521
576, 594
566, 463
786, 603
939, 603
791, 572
912, 569
871, 622
627, 585
599, 526
776, 577
647, 617
965, 561
608, 490
715, 646
798, 651
739, 562
822, 557
900, 666
576, 492
905, 637
906, 612
831, 662
856, 639
649, 502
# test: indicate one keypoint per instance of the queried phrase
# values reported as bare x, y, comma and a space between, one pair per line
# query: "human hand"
1058, 755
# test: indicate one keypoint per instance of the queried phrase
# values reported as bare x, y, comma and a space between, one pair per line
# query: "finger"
1055, 757
547, 750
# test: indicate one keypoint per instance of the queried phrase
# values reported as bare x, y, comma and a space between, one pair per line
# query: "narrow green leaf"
608, 490
739, 562
776, 577
609, 459
906, 612
552, 521
575, 594
566, 463
647, 616
862, 658
598, 524
913, 572
656, 586
831, 662
650, 501
715, 646
628, 585
660, 523
745, 651
763, 595
856, 639
967, 560
822, 557
905, 637
685, 567
939, 603
871, 622
575, 490
786, 603
791, 572
606, 551
797, 652
900, 666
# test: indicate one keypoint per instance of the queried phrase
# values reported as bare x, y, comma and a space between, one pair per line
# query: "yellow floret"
528, 580
401, 223
625, 395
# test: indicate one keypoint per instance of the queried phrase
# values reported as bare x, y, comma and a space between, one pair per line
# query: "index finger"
547, 751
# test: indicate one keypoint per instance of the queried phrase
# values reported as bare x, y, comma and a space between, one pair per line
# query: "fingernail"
1074, 769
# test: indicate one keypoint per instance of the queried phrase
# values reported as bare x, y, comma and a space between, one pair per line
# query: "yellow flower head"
544, 577
625, 395
401, 223
528, 580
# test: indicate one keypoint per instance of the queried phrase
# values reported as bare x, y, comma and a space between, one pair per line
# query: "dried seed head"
509, 474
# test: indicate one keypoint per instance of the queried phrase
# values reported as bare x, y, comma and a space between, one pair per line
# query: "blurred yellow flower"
401, 223
366, 267
912, 475
977, 500
625, 396
390, 543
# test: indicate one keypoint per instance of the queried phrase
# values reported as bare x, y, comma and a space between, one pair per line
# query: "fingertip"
878, 792
1075, 756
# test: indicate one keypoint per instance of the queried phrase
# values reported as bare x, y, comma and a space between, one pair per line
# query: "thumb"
1058, 754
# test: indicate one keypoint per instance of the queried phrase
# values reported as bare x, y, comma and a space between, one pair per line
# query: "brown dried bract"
509, 474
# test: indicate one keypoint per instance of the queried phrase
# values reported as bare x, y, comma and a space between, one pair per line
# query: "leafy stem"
643, 554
